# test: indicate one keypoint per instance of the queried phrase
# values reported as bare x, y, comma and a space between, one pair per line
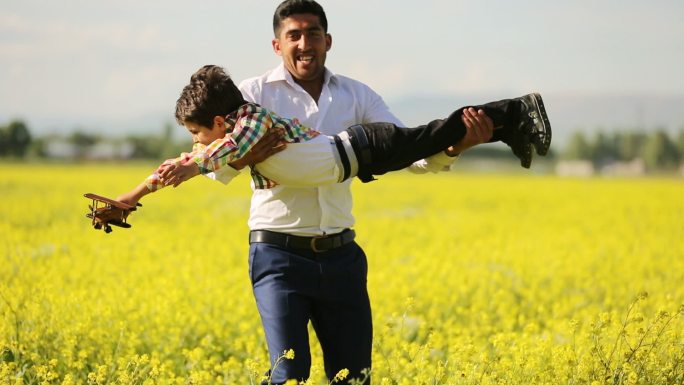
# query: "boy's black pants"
387, 147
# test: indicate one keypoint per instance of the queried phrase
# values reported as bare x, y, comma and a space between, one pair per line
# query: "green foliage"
604, 150
15, 139
660, 152
145, 147
3, 141
578, 148
82, 142
630, 145
680, 142
657, 149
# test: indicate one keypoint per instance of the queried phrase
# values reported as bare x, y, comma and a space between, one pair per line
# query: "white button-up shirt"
343, 103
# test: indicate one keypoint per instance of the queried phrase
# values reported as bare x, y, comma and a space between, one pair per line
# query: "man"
304, 263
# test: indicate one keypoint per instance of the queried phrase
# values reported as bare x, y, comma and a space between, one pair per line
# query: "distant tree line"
658, 149
16, 141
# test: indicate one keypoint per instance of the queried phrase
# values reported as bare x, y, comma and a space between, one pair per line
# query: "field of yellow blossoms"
474, 279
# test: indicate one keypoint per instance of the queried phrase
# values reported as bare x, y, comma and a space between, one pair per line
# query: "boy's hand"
480, 128
177, 173
269, 144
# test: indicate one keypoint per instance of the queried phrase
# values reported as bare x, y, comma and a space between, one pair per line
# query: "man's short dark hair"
211, 93
293, 7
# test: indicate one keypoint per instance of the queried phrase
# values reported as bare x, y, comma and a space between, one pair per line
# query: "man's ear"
328, 42
276, 46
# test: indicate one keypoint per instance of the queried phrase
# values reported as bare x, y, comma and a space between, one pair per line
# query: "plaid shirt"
244, 128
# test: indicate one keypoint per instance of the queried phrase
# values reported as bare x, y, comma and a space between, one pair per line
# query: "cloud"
78, 67
26, 39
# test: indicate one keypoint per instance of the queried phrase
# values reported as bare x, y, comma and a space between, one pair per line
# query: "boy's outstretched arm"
132, 197
173, 174
176, 173
156, 181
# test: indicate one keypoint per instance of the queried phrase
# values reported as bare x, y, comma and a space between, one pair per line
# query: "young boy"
224, 127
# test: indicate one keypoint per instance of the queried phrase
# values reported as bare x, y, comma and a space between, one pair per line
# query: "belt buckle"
313, 243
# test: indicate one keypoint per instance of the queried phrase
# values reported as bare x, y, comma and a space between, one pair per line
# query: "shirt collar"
280, 74
232, 118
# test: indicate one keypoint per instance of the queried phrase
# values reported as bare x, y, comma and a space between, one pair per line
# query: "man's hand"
269, 144
176, 173
480, 128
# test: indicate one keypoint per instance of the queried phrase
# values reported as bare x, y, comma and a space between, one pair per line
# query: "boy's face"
303, 45
206, 135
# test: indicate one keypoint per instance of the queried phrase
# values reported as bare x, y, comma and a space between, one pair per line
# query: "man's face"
303, 44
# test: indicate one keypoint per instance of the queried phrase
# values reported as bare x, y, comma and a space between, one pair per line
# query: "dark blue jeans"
293, 287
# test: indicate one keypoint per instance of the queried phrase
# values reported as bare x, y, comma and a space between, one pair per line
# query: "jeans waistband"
316, 243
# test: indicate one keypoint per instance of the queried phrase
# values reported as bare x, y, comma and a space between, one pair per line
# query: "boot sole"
542, 140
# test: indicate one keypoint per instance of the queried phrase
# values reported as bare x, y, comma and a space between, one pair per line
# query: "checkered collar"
233, 117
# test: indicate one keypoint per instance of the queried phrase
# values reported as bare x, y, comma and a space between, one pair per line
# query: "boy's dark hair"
211, 93
293, 7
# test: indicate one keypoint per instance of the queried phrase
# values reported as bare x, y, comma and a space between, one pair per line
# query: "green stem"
17, 324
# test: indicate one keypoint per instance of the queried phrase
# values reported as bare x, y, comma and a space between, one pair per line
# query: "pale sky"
69, 63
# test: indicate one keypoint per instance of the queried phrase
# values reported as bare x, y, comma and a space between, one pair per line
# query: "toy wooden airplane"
110, 213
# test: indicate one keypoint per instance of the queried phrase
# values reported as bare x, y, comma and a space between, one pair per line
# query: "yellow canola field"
474, 279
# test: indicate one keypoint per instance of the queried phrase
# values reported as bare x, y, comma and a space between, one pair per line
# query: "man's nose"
304, 42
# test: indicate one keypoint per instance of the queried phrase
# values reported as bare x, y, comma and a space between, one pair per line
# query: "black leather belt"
317, 243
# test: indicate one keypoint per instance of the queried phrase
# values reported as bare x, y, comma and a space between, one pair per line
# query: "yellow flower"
289, 354
68, 380
341, 375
